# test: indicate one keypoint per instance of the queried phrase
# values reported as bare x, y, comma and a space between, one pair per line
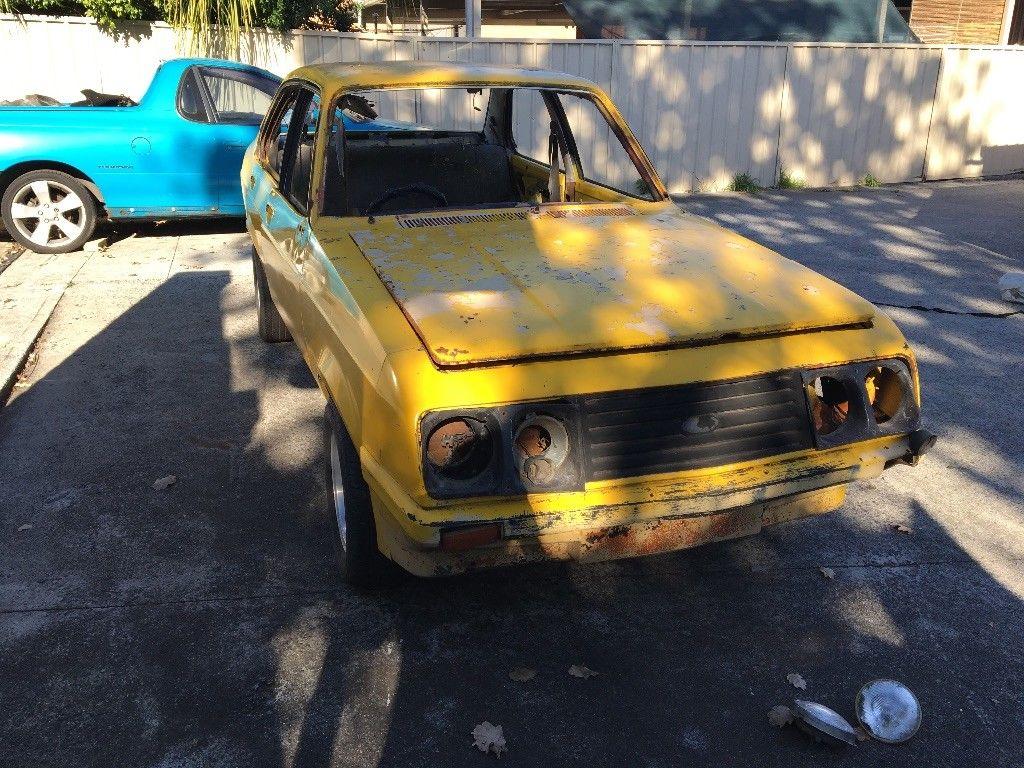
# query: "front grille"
669, 429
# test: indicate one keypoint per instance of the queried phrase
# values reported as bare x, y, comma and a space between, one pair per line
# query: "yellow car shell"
598, 307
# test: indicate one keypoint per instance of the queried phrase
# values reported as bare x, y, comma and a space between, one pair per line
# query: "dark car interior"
391, 169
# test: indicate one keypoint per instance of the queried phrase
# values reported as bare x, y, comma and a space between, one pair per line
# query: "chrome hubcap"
48, 213
337, 490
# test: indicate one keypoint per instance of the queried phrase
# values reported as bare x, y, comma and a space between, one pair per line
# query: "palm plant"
214, 27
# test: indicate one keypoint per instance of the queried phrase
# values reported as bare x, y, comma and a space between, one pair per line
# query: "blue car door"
235, 102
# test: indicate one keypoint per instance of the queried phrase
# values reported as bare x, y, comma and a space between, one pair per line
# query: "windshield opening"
418, 149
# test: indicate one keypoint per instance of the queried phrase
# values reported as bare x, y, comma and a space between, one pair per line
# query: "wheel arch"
10, 174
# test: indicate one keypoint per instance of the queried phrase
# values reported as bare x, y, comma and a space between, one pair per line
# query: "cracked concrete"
205, 625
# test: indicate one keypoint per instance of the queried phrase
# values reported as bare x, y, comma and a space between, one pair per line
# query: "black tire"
270, 325
59, 188
355, 548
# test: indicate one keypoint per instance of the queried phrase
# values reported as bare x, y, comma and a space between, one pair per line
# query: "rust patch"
670, 534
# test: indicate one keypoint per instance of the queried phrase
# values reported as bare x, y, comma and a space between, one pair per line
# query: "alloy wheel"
337, 489
48, 213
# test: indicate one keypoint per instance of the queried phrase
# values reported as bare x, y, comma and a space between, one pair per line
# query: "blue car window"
190, 100
237, 96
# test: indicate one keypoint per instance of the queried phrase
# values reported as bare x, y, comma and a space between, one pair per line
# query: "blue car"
176, 153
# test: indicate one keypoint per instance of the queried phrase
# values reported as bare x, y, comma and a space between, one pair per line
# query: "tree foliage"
198, 16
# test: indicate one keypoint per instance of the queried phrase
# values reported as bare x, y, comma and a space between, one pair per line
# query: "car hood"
512, 285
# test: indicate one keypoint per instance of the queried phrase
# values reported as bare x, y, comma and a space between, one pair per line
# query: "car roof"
343, 76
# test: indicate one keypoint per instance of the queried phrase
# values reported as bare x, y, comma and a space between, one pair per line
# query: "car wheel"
49, 211
269, 324
350, 512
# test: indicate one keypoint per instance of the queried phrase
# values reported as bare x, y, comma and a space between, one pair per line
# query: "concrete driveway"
204, 625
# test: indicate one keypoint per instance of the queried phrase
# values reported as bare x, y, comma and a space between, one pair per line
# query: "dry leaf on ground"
828, 573
25, 527
796, 681
862, 735
489, 738
780, 715
522, 674
902, 529
164, 483
579, 670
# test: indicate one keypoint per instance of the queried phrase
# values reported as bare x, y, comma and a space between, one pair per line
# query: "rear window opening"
409, 150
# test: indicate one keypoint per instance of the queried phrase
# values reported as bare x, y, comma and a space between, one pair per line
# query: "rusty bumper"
646, 537
611, 521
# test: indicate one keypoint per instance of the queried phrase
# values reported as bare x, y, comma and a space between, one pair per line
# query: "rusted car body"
529, 351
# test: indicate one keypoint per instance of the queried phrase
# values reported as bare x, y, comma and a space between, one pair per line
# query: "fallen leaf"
902, 529
164, 483
522, 674
780, 715
25, 527
489, 738
862, 735
579, 670
796, 681
828, 573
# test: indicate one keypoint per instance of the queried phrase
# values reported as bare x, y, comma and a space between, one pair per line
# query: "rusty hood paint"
479, 288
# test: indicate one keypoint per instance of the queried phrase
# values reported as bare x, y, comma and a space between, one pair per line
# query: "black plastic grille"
669, 429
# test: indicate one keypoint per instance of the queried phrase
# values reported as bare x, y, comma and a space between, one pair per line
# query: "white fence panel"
978, 128
850, 111
705, 112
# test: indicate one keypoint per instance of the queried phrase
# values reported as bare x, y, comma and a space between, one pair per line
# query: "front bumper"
615, 520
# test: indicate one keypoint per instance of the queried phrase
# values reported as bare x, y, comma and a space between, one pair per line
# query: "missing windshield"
409, 150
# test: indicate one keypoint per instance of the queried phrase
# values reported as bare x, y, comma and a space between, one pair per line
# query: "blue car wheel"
49, 211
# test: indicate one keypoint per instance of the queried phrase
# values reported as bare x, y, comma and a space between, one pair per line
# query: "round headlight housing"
541, 447
886, 392
830, 403
460, 448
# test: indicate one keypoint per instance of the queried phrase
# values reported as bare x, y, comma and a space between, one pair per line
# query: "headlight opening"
502, 451
887, 393
460, 448
859, 401
541, 447
829, 399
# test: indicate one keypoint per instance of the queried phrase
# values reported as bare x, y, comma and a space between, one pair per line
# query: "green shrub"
871, 181
742, 182
786, 181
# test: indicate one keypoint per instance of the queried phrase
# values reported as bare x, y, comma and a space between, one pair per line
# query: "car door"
167, 151
279, 220
235, 102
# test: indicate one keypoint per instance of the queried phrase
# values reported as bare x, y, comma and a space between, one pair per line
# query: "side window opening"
190, 99
301, 168
238, 97
273, 144
603, 157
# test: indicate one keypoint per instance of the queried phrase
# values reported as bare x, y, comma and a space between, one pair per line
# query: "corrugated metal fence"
705, 112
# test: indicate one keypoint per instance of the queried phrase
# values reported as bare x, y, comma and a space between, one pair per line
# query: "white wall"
828, 113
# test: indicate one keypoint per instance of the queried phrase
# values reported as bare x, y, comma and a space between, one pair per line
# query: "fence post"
783, 98
931, 116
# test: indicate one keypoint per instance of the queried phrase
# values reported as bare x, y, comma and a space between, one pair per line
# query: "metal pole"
1004, 28
883, 9
472, 18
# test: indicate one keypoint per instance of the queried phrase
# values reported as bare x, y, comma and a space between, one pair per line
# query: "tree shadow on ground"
206, 624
